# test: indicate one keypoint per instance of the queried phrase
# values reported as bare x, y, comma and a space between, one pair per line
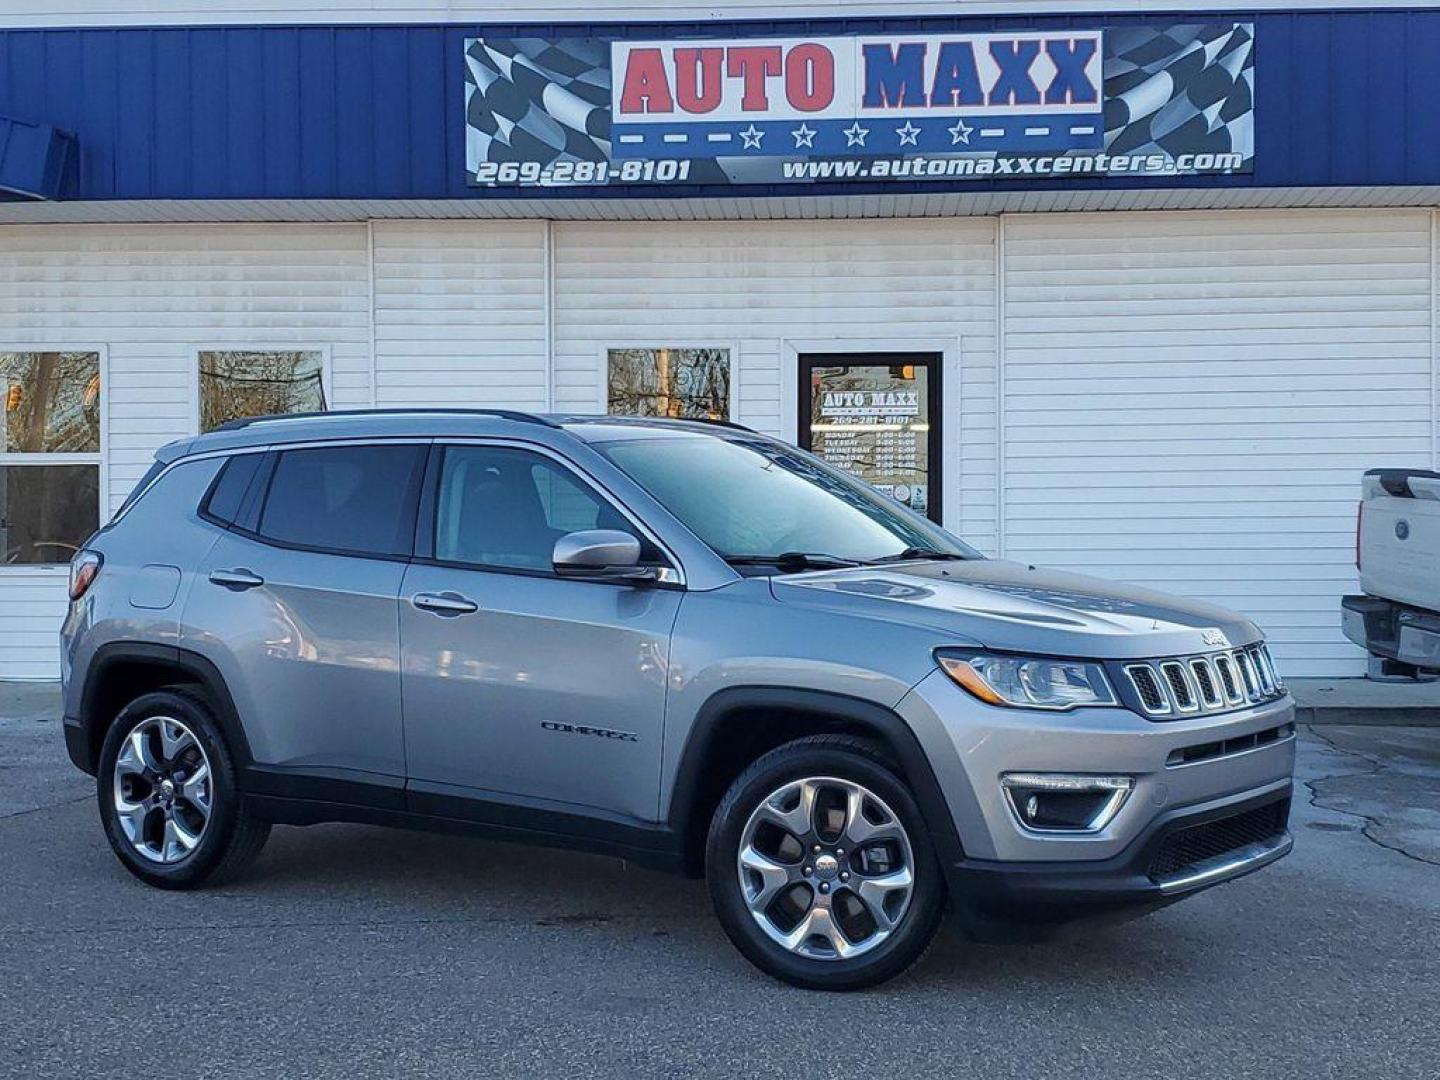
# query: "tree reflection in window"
683, 384
52, 402
235, 385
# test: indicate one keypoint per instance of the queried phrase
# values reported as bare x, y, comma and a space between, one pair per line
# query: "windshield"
757, 500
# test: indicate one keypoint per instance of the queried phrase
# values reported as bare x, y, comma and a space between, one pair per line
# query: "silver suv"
682, 644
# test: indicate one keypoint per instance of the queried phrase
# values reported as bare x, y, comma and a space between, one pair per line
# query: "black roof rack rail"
499, 414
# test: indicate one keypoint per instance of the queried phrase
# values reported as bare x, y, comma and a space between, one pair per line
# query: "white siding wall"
460, 314
768, 288
1190, 400
1187, 399
150, 296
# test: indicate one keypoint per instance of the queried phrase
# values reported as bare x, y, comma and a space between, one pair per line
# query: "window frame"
326, 376
99, 458
252, 506
429, 509
729, 345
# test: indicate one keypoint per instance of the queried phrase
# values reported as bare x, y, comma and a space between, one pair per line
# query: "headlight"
1028, 682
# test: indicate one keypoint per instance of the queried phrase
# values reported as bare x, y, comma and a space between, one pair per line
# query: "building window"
50, 456
686, 384
242, 383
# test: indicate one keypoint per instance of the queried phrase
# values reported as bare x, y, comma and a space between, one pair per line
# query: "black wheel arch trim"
85, 732
869, 716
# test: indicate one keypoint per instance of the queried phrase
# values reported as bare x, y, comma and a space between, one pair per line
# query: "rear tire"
168, 794
820, 867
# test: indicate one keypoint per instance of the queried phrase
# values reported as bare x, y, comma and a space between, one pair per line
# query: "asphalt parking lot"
354, 951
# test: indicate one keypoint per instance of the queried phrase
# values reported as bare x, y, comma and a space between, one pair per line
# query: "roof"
426, 423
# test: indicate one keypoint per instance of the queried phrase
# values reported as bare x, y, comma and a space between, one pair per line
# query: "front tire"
820, 867
168, 793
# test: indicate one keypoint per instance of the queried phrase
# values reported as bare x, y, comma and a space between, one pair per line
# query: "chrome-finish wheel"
826, 868
162, 789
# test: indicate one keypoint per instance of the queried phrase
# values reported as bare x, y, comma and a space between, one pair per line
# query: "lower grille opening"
1189, 755
1187, 848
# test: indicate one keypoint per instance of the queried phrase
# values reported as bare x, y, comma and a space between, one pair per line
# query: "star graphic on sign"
803, 136
752, 136
908, 134
960, 132
855, 134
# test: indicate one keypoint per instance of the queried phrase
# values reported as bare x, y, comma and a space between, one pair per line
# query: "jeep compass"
683, 644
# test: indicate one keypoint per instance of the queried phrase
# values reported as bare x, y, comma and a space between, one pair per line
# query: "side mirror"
600, 555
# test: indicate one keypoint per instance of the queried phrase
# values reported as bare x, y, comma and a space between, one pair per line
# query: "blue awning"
33, 158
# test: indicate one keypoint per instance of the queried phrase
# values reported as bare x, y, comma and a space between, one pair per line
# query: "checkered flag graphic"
531, 99
1181, 90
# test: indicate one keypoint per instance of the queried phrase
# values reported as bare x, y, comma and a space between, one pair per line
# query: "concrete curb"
1354, 715
1363, 702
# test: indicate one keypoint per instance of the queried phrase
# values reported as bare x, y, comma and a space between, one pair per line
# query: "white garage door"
1189, 401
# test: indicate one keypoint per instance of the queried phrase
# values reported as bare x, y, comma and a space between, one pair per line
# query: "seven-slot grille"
1209, 683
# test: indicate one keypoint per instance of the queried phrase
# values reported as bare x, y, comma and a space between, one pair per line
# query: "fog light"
1062, 802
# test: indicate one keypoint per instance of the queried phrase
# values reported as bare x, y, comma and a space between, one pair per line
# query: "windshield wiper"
915, 553
793, 560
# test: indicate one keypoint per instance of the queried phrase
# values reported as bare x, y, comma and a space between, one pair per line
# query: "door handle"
446, 603
237, 579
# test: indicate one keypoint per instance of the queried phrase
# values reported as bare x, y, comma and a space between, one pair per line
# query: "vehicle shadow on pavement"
417, 878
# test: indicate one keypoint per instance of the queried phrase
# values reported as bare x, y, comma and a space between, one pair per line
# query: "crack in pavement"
47, 806
1369, 822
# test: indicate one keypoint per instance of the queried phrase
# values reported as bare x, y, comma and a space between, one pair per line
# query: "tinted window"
223, 505
344, 498
504, 507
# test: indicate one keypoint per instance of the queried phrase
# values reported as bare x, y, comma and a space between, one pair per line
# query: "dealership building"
1122, 287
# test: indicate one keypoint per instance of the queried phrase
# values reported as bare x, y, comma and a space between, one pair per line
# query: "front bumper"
1221, 781
1177, 855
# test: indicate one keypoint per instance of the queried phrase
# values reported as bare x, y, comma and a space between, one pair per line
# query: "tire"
189, 833
764, 889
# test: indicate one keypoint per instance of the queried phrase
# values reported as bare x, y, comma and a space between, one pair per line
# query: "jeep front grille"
1179, 686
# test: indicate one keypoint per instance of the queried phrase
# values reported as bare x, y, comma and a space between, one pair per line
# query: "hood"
1012, 607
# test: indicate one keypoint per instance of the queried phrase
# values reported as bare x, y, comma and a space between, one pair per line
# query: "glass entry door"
877, 415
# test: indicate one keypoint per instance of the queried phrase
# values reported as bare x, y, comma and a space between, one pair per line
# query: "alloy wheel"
162, 789
826, 868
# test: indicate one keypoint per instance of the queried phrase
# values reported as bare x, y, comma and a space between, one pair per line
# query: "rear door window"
356, 500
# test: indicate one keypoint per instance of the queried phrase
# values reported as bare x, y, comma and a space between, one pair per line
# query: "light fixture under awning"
33, 158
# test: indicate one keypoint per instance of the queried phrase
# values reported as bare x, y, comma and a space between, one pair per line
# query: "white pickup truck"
1397, 550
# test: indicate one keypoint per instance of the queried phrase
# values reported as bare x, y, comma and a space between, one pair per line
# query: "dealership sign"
1048, 105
